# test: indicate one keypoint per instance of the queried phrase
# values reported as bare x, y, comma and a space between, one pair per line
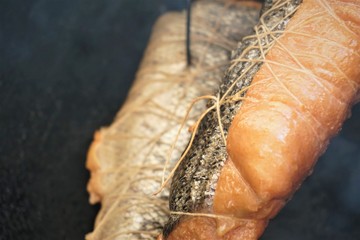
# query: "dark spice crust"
194, 182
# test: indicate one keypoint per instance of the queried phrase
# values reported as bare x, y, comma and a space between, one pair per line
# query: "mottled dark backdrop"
65, 68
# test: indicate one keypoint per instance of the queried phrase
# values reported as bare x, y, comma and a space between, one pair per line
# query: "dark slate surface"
65, 68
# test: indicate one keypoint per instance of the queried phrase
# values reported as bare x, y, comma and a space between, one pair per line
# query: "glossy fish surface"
127, 159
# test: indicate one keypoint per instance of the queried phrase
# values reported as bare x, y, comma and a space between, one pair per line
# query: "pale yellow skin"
126, 159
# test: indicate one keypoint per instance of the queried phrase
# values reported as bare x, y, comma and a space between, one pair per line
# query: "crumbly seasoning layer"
194, 182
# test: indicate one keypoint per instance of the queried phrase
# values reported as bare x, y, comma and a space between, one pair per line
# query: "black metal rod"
188, 24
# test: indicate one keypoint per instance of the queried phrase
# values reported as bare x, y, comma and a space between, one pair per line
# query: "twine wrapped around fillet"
300, 84
127, 159
200, 167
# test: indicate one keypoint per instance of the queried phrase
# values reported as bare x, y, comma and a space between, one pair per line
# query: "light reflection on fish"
126, 160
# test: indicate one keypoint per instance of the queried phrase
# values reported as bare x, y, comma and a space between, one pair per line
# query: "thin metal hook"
188, 24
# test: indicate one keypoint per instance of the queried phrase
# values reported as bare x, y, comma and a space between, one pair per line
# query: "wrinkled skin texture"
126, 160
305, 90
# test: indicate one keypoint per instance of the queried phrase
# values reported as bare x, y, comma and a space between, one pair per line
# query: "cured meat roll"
289, 90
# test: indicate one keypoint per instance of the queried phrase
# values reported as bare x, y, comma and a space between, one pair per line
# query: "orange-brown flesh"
204, 228
249, 3
274, 142
92, 163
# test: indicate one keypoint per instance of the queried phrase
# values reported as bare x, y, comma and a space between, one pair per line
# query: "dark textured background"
65, 68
